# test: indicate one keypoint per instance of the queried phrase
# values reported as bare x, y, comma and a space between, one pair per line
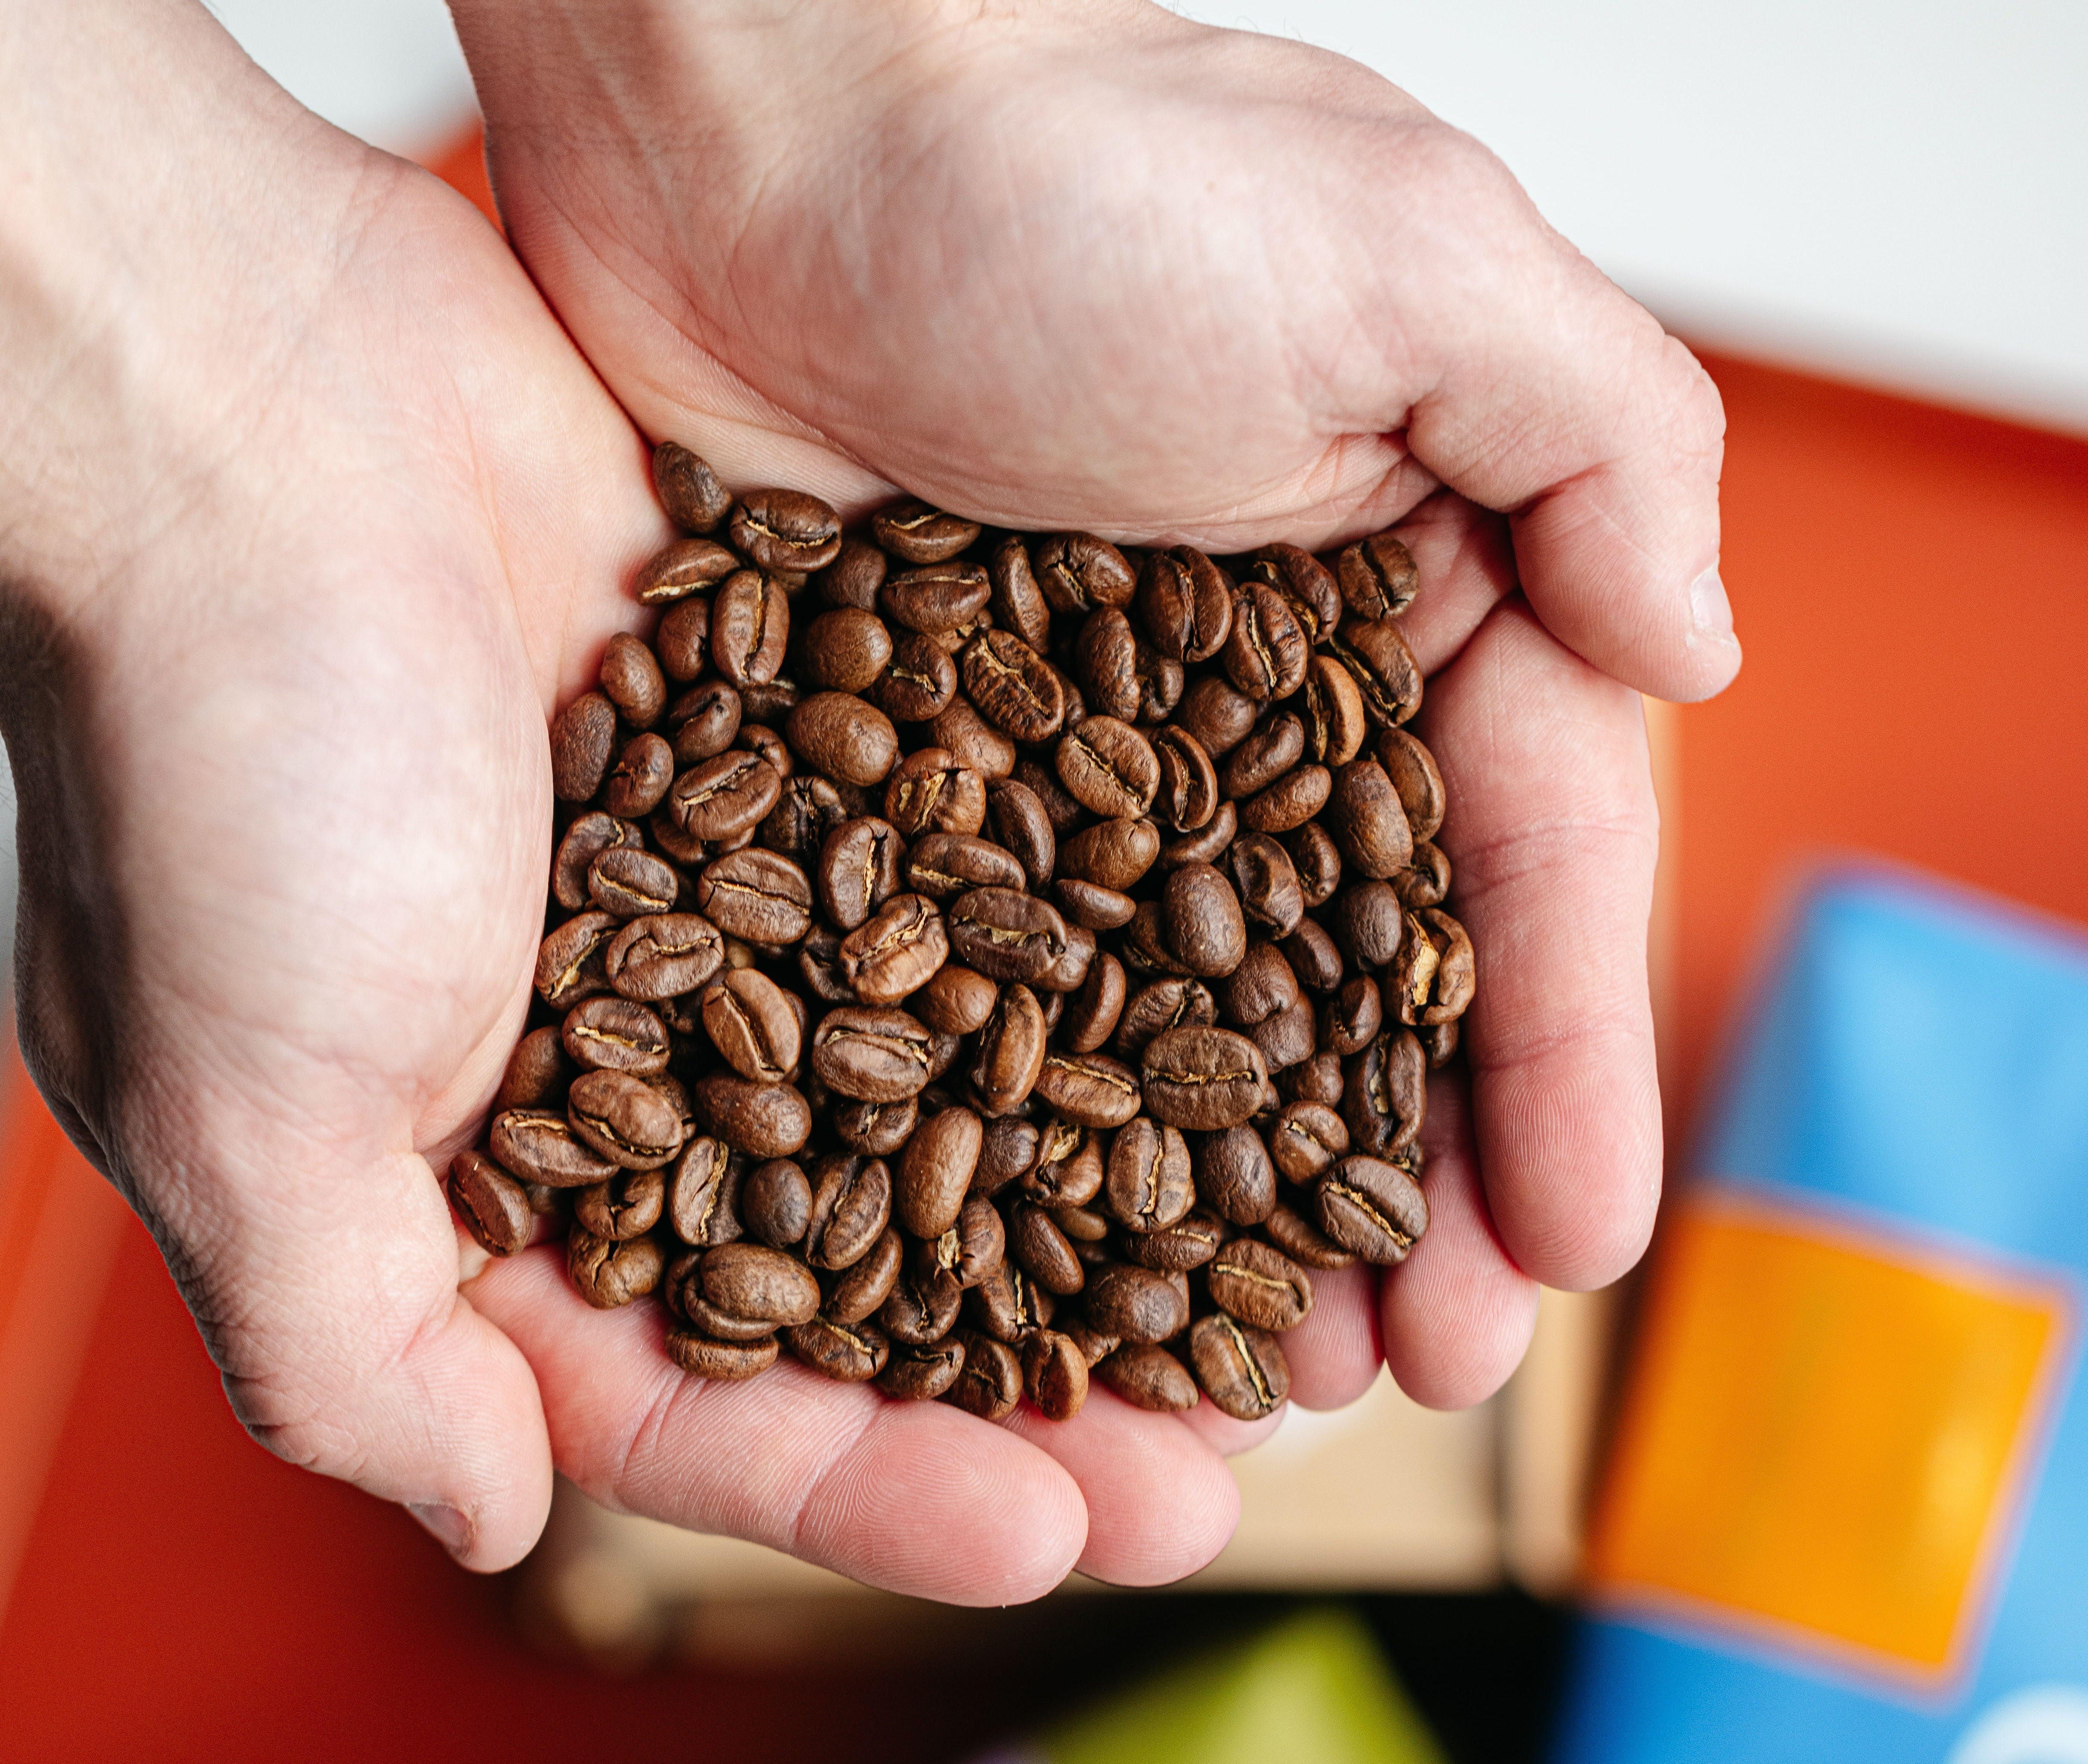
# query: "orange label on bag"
1822, 1434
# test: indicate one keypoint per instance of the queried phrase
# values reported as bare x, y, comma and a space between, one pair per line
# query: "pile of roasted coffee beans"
978, 962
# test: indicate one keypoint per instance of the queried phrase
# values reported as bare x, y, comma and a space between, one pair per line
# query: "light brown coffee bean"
750, 1020
1092, 1089
990, 1383
844, 737
684, 567
1079, 573
1108, 767
862, 1288
944, 865
1434, 979
1374, 652
702, 1356
1307, 1141
1011, 1051
935, 1172
1290, 801
758, 1284
688, 489
763, 1120
1149, 1185
1202, 1079
930, 792
920, 535
876, 1054
957, 1000
1260, 1285
1241, 1369
624, 1119
609, 1274
1371, 1207
1006, 935
895, 951
493, 1206
1204, 929
848, 1353
845, 650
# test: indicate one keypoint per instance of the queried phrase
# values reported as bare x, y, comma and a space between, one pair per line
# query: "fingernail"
449, 1527
1710, 612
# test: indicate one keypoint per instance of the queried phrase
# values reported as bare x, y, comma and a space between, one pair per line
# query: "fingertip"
1336, 1352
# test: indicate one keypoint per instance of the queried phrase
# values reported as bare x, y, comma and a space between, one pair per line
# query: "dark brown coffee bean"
1317, 1080
1106, 663
1068, 972
776, 1203
1062, 811
1148, 1377
758, 896
629, 883
630, 680
989, 1385
1265, 756
1260, 1286
1148, 1186
1306, 584
493, 1206
874, 1129
895, 951
1208, 844
1009, 1305
854, 577
1138, 1305
1368, 923
1235, 1177
662, 955
923, 1306
848, 1353
1412, 769
1241, 1369
1006, 935
1439, 1041
682, 643
859, 869
624, 1119
759, 1285
921, 1374
1307, 1141
588, 837
1054, 1375
930, 792
1185, 602
1162, 1005
845, 650
1079, 573
750, 1020
1267, 884
572, 962
1266, 651
957, 1000
1092, 1016
719, 797
1108, 767
1373, 1208
1315, 864
613, 1034
1112, 854
1011, 1051
703, 721
819, 961
1291, 801
1092, 1089
1217, 713
1374, 652
703, 1357
1353, 1018
786, 529
583, 743
874, 1053
609, 1274
1067, 1172
844, 737
759, 738
972, 741
684, 567
1378, 577
763, 1120
1335, 722
944, 865
1202, 1079
536, 1073
1313, 955
1014, 688
973, 1248
1021, 823
623, 1207
1386, 1097
1091, 907
1204, 929
1426, 882
920, 535
1189, 1242
935, 1174
703, 1194
688, 489
863, 1287
1041, 1248
1188, 795
1286, 1037
1007, 1150
938, 598
1433, 978
1368, 821
1018, 603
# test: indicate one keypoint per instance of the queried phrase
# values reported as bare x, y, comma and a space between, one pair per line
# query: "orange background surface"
1912, 588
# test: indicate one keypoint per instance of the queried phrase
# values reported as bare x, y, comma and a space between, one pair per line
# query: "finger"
1466, 562
916, 1497
1546, 392
1161, 1502
1553, 840
346, 1349
1458, 1313
1222, 1433
1335, 1353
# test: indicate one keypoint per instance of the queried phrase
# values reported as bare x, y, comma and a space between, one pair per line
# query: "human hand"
308, 516
1091, 266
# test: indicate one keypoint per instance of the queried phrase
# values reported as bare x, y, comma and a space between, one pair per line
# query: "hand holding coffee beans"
1041, 989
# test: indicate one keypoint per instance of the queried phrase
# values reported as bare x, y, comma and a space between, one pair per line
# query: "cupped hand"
312, 515
1089, 266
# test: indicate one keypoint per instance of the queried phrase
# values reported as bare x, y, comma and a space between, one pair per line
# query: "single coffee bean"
894, 953
588, 837
703, 1357
493, 1206
1426, 882
1021, 823
1067, 1172
1316, 863
921, 534
862, 1288
844, 737
874, 1053
763, 1120
1011, 1051
1307, 1140
682, 643
1306, 584
786, 529
1092, 1089
1208, 844
713, 1320
874, 1129
974, 1246
1317, 1080
1041, 1249
1068, 972
1235, 1177
1006, 935
1217, 713
1202, 1079
1138, 1305
661, 956
703, 1193
630, 680
1149, 1184
1092, 907
939, 596
688, 489
750, 1020
1259, 987
1335, 722
1412, 769
583, 743
1093, 1015
920, 682
1148, 1377
989, 1385
623, 1207
1314, 957
1162, 1005
1204, 928
845, 650
1368, 821
628, 882
849, 1353
944, 865
854, 577
1106, 663
935, 1173
1267, 650
1353, 1018
957, 1000
1079, 573
625, 1120
1374, 652
1273, 749
1378, 577
607, 1034
776, 1203
536, 1073
859, 869
972, 741
540, 1146
1054, 1375
719, 797
609, 1273
1372, 1207
1008, 1147
1439, 1041
1290, 801
1286, 1037
1367, 921
928, 792
1188, 795
1242, 1368
1433, 978
1018, 604
851, 1207
1008, 1304
1189, 1242
1260, 1285
759, 1285
923, 1306
1185, 601
921, 1374
703, 721
1386, 1097
684, 567
1108, 767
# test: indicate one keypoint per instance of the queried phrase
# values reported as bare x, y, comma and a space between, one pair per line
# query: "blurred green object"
1314, 1689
